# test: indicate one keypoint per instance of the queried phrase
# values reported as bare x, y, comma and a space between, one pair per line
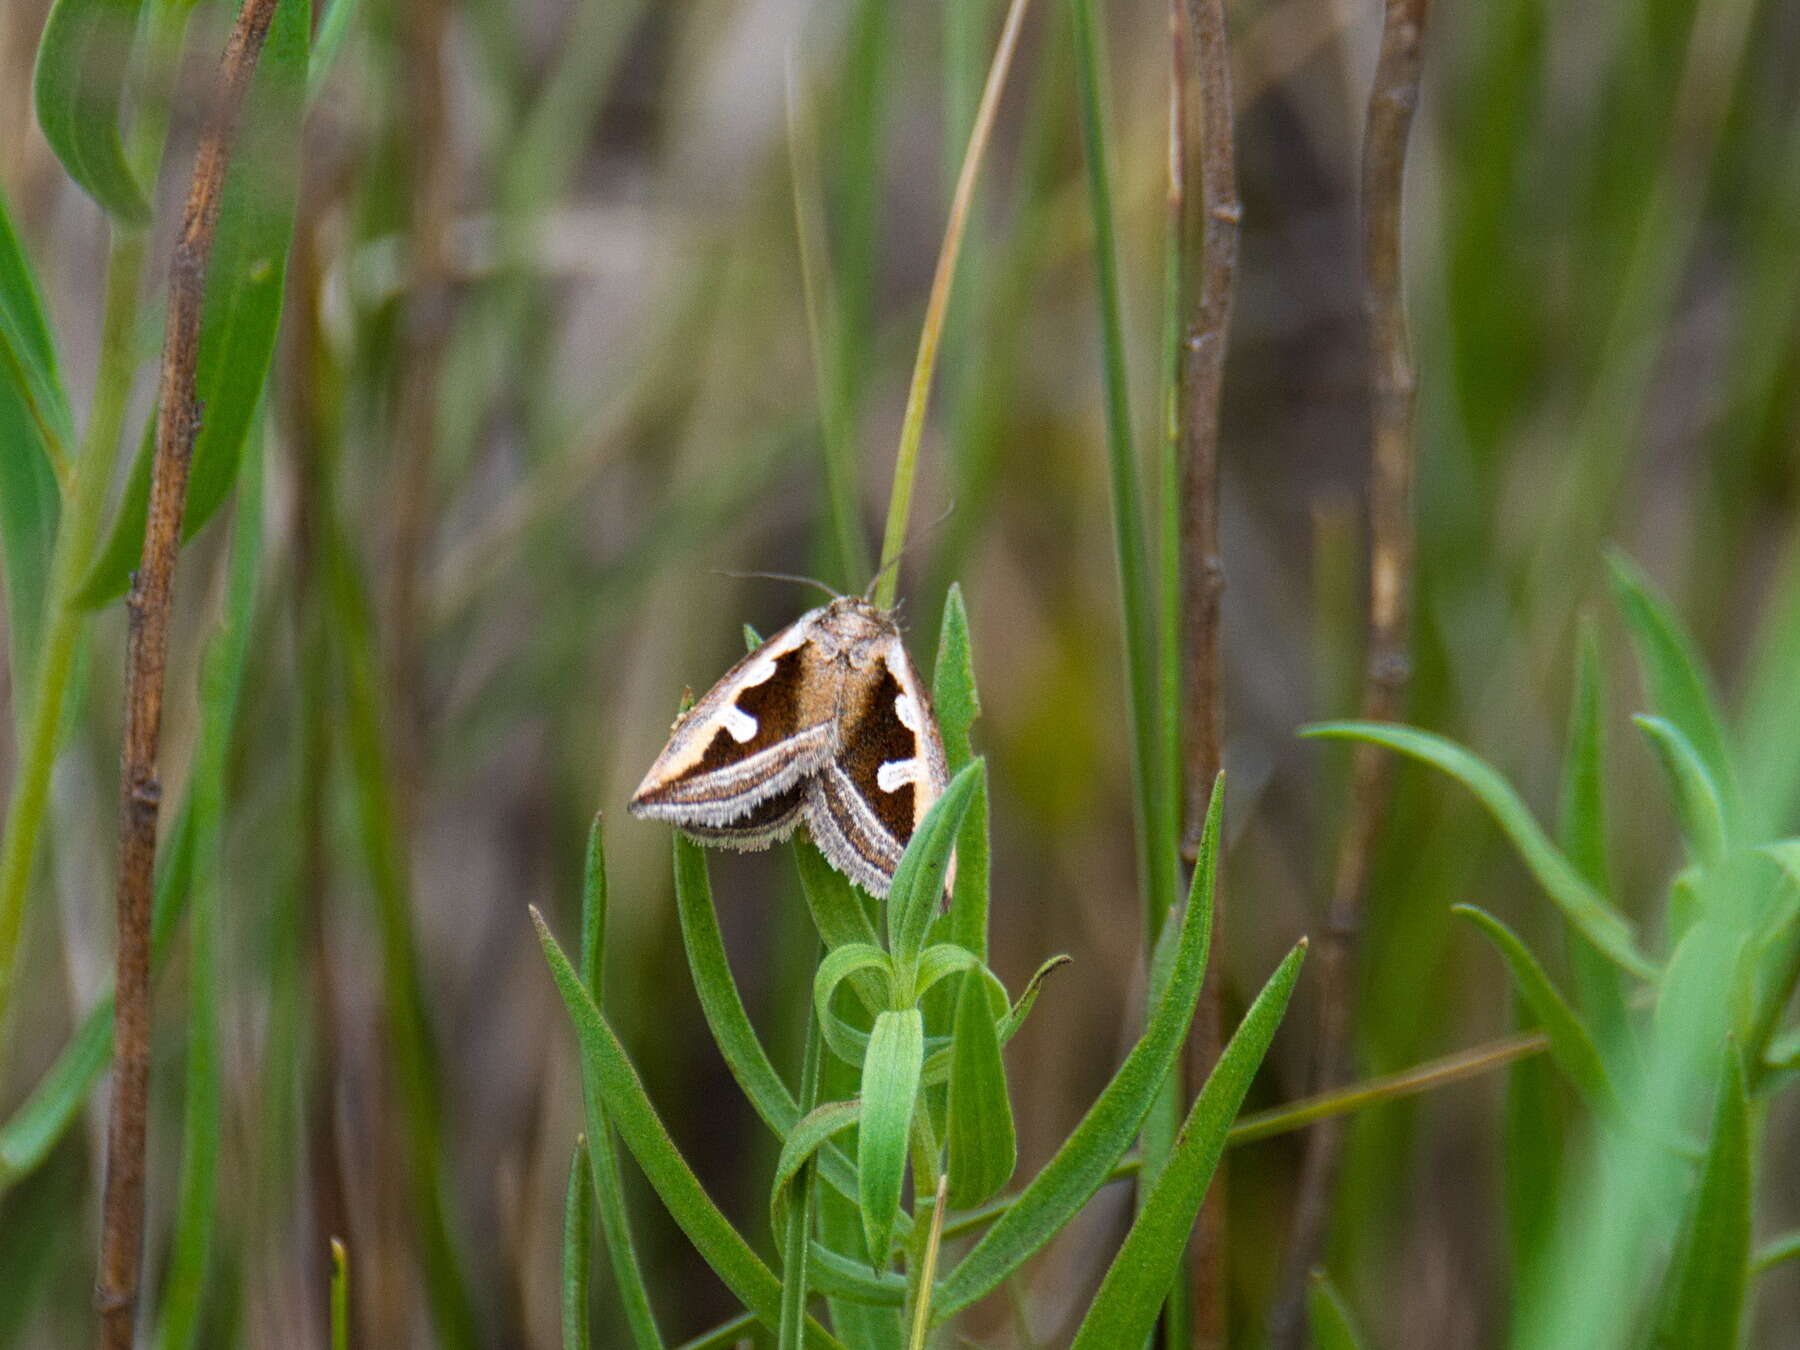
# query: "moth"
828, 725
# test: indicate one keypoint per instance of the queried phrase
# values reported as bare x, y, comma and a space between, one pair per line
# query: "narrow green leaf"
328, 42
724, 1007
1156, 845
1124, 1311
838, 1277
1333, 1326
890, 1087
1078, 1168
919, 879
1571, 1045
1581, 818
1673, 675
33, 1130
836, 905
241, 312
1698, 807
1777, 1251
340, 1296
982, 1144
1532, 1137
605, 1179
409, 1034
577, 1250
957, 704
843, 963
35, 434
615, 1082
937, 1063
1584, 907
1581, 830
806, 1138
221, 679
1709, 1276
796, 1234
728, 1335
941, 960
84, 63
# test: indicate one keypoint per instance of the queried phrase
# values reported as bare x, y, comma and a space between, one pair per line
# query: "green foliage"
36, 431
982, 1147
1333, 1327
890, 1087
1587, 910
1125, 1310
1709, 1278
241, 312
83, 66
578, 1249
1571, 1045
1731, 970
610, 1079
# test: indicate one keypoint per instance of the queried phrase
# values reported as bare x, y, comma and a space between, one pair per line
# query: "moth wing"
765, 726
767, 823
888, 771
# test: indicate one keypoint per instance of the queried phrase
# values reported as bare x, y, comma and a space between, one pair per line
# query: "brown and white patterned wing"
765, 727
767, 823
888, 770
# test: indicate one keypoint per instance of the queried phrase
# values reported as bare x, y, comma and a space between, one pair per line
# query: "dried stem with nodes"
1392, 100
140, 792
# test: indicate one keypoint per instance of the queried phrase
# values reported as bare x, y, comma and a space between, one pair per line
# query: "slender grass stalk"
84, 491
578, 1249
423, 26
912, 426
1392, 100
927, 1274
797, 1241
404, 1006
340, 1296
823, 327
140, 790
1278, 1120
220, 681
1202, 71
85, 505
1155, 824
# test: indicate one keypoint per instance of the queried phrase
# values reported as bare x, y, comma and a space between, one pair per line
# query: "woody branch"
1392, 100
140, 791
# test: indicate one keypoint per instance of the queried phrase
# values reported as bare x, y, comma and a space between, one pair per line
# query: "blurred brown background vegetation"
614, 372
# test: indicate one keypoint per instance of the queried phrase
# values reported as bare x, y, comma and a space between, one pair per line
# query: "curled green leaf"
1583, 906
1571, 1044
1698, 807
84, 64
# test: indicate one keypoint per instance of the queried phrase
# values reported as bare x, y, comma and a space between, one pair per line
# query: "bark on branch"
148, 605
1392, 100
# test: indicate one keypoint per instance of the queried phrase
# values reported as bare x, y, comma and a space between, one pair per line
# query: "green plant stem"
912, 427
1260, 1125
927, 1271
86, 504
1155, 823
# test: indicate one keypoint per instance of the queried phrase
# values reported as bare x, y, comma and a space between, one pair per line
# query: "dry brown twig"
140, 792
1201, 81
1392, 100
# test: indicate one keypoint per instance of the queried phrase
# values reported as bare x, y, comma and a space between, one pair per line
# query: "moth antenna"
777, 576
907, 547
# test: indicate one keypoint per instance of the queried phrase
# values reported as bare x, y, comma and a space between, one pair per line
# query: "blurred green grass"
1600, 242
